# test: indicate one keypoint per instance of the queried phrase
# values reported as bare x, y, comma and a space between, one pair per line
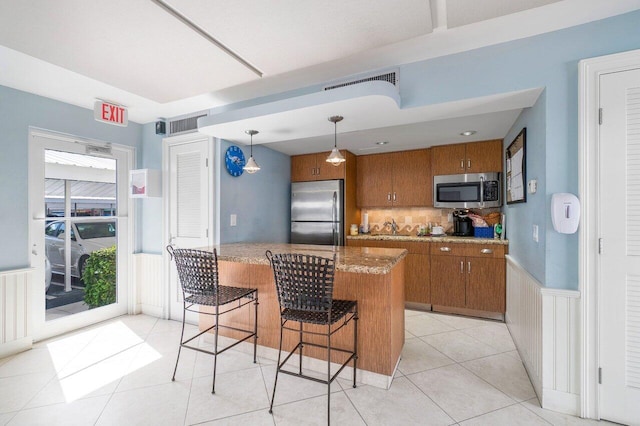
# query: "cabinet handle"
486, 251
388, 196
318, 171
394, 196
468, 163
462, 163
445, 249
461, 267
469, 267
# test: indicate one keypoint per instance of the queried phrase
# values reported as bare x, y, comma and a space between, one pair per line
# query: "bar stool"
198, 274
304, 284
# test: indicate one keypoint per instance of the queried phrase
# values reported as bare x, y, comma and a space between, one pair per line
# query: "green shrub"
100, 278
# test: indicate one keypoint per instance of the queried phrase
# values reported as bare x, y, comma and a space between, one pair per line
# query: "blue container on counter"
483, 231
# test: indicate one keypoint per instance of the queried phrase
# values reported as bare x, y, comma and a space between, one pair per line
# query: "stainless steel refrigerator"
317, 212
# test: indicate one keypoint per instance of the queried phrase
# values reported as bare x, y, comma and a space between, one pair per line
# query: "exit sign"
110, 113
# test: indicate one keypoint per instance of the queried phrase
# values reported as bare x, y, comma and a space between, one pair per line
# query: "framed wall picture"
516, 176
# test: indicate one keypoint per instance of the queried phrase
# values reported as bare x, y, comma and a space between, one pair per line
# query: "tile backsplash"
410, 219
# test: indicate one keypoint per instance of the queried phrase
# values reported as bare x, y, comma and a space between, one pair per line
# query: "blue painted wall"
261, 200
18, 111
522, 216
149, 217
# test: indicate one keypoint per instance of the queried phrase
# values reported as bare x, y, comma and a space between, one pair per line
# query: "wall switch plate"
533, 186
535, 233
234, 220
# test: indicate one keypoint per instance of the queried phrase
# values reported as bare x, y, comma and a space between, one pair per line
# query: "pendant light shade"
335, 157
251, 166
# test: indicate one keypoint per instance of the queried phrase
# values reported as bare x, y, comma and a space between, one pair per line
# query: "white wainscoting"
15, 311
544, 324
148, 275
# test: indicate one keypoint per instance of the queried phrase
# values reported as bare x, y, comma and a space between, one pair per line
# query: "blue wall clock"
234, 160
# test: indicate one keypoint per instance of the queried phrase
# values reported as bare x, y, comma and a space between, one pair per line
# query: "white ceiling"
135, 53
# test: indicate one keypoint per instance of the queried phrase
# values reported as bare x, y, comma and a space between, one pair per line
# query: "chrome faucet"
394, 226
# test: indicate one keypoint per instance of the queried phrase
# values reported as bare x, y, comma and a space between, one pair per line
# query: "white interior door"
190, 205
39, 144
619, 280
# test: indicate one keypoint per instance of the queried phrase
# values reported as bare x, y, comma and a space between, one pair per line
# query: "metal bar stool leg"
173, 378
301, 345
275, 382
255, 328
329, 370
355, 345
215, 349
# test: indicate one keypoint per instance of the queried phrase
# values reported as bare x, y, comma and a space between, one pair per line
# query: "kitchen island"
372, 276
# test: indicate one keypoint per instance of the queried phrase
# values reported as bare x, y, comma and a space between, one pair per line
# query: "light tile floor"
454, 370
65, 310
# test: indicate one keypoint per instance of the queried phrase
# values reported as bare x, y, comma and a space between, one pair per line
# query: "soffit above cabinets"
372, 112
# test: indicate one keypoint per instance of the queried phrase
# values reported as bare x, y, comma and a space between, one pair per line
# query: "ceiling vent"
185, 124
390, 77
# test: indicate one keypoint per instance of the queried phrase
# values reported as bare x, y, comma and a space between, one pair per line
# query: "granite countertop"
362, 260
443, 239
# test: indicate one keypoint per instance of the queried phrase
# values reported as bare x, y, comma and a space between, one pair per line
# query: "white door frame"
214, 205
590, 71
41, 328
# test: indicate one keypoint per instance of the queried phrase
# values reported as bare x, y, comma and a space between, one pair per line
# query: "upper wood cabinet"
374, 180
315, 167
398, 179
472, 157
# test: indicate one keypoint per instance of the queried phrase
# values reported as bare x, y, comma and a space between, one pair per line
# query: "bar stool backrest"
197, 270
303, 282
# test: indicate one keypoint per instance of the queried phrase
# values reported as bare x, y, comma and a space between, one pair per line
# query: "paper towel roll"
365, 219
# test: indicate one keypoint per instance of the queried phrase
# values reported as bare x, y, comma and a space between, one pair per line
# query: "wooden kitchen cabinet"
311, 167
417, 276
398, 179
472, 157
469, 276
486, 284
448, 283
374, 180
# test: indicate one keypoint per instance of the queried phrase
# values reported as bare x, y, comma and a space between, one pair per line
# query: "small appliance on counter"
462, 223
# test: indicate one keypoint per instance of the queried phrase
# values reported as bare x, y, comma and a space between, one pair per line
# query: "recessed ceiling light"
382, 143
468, 133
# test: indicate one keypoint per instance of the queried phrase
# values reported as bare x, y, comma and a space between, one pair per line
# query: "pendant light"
251, 166
335, 157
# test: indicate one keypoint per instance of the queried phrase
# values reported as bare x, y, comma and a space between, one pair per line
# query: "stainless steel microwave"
473, 190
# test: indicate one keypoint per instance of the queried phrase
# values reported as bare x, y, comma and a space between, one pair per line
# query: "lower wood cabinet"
470, 276
417, 275
448, 282
464, 276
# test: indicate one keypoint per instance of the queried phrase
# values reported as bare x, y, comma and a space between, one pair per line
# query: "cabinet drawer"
448, 249
470, 250
482, 250
413, 247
